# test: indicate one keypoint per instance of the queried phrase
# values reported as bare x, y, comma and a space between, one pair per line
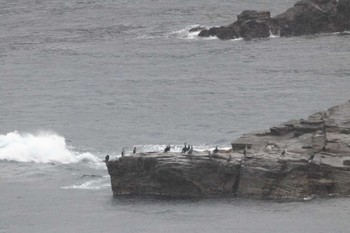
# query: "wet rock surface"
304, 18
294, 160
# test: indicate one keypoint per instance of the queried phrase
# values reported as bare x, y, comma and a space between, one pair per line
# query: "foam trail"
44, 147
96, 184
187, 35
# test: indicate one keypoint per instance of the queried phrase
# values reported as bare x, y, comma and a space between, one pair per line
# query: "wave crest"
44, 147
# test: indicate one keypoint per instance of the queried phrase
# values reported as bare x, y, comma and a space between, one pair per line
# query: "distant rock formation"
306, 17
295, 160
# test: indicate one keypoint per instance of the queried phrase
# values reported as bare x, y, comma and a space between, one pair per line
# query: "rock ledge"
295, 160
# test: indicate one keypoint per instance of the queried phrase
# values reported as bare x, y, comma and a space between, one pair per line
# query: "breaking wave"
44, 147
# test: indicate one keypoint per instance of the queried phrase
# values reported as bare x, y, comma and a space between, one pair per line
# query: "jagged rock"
224, 33
343, 15
308, 17
250, 24
196, 29
254, 29
253, 15
305, 17
306, 158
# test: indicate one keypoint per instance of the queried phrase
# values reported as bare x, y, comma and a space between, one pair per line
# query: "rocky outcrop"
305, 17
294, 160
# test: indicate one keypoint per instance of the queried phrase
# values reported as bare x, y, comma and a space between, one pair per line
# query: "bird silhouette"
167, 148
190, 150
123, 152
216, 150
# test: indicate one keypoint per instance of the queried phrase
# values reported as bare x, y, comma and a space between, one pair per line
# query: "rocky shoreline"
295, 160
304, 18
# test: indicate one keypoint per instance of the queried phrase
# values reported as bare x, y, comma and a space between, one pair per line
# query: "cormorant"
190, 150
123, 152
229, 158
311, 158
134, 150
106, 158
184, 149
216, 150
167, 148
209, 155
284, 153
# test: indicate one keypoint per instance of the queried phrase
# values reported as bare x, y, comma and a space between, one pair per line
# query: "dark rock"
308, 17
343, 15
196, 29
280, 130
304, 18
346, 162
224, 33
265, 172
248, 15
249, 25
254, 29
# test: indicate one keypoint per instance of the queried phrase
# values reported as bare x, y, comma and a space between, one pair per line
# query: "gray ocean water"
81, 79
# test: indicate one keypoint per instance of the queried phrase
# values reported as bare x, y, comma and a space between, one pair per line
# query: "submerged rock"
304, 18
294, 160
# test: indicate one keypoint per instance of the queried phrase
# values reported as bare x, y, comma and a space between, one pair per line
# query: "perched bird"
134, 150
311, 158
167, 148
229, 158
210, 155
245, 151
216, 150
190, 150
184, 149
123, 152
284, 153
106, 158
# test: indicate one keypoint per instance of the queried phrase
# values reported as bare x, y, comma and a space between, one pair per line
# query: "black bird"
190, 150
106, 158
209, 155
245, 151
184, 149
123, 152
167, 148
284, 153
229, 158
134, 150
311, 158
216, 150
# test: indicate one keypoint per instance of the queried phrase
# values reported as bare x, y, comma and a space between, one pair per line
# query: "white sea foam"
91, 184
185, 33
44, 147
177, 147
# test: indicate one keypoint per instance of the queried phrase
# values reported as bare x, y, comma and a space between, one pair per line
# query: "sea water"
81, 79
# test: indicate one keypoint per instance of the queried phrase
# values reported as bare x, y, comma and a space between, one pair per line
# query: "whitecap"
43, 147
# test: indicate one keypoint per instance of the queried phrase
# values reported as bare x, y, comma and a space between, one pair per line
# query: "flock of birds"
189, 150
